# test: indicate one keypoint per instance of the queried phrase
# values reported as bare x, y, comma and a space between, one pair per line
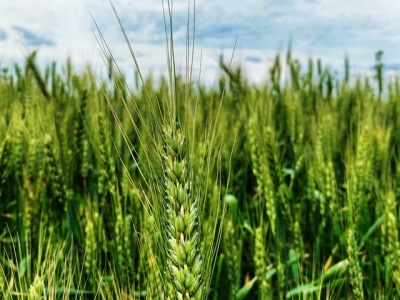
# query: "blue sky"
316, 28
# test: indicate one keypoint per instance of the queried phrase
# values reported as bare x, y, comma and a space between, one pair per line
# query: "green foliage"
292, 185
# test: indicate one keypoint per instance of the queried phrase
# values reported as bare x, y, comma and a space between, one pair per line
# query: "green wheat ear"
182, 242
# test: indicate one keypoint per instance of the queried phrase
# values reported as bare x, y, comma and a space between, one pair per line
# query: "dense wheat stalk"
184, 261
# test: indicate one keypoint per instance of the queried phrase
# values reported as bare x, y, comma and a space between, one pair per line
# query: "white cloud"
319, 28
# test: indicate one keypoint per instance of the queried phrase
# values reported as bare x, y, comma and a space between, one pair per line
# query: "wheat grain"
184, 261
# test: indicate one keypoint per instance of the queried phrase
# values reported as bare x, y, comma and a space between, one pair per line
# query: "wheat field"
171, 189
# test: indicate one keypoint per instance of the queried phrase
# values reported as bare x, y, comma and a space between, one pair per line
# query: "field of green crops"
169, 189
